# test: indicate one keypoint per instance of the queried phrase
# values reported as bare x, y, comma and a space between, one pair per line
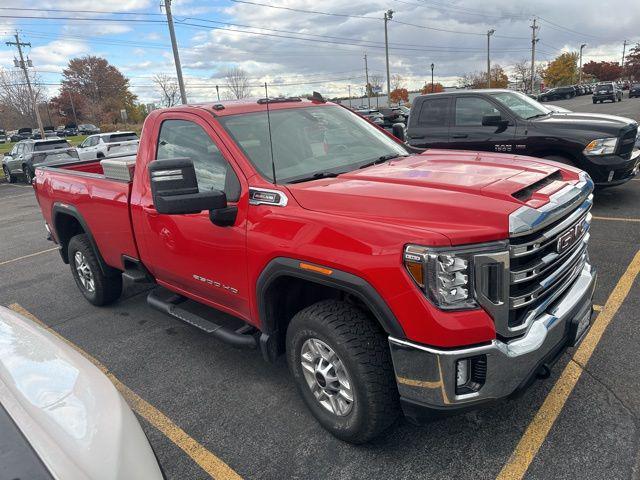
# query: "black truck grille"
545, 263
626, 142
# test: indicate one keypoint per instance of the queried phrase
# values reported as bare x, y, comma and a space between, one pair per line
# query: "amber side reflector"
416, 271
315, 268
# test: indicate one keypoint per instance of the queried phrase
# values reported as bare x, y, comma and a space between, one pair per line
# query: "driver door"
188, 253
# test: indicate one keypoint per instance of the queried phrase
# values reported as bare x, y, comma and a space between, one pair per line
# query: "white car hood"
68, 410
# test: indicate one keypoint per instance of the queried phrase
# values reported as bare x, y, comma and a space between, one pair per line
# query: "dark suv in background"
23, 158
511, 122
558, 94
634, 90
607, 91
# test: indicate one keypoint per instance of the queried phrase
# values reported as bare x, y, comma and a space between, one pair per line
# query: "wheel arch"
284, 288
68, 222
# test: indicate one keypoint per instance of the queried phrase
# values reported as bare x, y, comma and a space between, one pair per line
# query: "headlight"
445, 276
601, 146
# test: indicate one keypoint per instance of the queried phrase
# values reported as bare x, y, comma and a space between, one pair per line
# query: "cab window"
434, 112
470, 110
185, 139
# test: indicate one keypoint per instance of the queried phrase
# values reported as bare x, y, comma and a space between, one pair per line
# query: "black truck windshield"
309, 143
521, 105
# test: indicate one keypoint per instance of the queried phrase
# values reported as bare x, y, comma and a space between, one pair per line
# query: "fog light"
462, 372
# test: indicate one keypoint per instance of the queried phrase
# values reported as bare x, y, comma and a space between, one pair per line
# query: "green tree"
563, 70
632, 63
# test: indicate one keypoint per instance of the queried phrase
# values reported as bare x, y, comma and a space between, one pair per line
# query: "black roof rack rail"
262, 101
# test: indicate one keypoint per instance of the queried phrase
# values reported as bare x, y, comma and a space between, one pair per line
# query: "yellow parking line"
617, 219
539, 428
28, 256
597, 308
211, 464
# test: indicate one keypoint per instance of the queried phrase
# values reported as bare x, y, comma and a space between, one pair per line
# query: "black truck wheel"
98, 288
340, 360
28, 176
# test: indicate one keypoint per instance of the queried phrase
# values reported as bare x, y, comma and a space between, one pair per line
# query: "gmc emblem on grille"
568, 238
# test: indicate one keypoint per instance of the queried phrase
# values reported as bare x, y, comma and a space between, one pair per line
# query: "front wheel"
7, 174
341, 363
98, 288
567, 96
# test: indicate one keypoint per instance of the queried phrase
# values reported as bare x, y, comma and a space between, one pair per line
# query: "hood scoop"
525, 194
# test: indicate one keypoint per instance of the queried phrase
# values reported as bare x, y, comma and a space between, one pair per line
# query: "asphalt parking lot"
211, 410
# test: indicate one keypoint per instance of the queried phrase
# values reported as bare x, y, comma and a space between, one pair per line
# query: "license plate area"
579, 327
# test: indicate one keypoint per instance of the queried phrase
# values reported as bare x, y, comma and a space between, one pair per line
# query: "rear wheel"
28, 176
98, 288
567, 96
7, 174
340, 360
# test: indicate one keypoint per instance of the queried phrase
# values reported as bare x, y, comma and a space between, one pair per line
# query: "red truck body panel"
358, 222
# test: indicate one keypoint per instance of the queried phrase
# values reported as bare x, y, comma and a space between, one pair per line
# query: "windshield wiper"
382, 159
315, 176
538, 115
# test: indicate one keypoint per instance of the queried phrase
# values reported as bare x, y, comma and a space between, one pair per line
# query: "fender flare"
347, 282
60, 208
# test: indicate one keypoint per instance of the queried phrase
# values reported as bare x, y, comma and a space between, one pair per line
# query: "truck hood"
465, 196
587, 121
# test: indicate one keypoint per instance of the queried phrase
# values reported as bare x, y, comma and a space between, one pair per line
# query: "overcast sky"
326, 51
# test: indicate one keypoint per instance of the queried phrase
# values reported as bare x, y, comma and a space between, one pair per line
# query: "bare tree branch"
15, 100
168, 88
238, 82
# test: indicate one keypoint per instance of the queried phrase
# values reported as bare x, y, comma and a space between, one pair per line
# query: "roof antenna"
273, 163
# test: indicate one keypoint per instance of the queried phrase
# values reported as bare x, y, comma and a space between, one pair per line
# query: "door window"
470, 110
434, 112
185, 139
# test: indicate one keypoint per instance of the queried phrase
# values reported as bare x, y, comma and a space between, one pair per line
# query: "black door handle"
459, 135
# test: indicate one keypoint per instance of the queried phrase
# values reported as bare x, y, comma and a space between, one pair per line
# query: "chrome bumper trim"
428, 375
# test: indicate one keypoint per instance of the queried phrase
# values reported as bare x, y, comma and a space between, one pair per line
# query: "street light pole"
388, 15
489, 33
366, 74
580, 70
432, 66
624, 50
176, 55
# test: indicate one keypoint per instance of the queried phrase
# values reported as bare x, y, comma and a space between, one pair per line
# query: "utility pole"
624, 50
176, 55
366, 74
24, 65
349, 96
534, 40
489, 33
73, 108
580, 70
432, 67
388, 15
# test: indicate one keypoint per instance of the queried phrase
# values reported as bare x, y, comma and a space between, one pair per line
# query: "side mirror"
398, 131
492, 121
174, 187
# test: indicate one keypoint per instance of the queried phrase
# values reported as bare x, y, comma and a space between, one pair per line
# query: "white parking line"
13, 260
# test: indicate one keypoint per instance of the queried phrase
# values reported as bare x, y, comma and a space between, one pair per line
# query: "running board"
170, 306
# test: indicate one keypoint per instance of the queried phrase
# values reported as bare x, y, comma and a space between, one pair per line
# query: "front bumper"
426, 376
600, 168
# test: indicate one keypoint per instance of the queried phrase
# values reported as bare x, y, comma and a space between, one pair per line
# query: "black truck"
511, 122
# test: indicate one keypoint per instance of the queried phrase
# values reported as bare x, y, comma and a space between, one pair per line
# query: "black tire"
106, 288
594, 102
560, 159
7, 174
28, 175
567, 96
362, 349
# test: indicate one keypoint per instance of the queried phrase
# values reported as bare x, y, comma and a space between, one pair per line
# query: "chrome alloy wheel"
84, 272
326, 377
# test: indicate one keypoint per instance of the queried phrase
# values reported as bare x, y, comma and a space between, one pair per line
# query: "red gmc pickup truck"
392, 281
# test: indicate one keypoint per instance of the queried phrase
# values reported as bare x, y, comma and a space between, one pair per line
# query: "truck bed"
102, 203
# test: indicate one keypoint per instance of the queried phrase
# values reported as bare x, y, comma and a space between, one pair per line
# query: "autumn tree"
70, 105
399, 95
397, 82
238, 83
168, 88
603, 71
563, 70
437, 88
476, 80
632, 63
104, 87
375, 80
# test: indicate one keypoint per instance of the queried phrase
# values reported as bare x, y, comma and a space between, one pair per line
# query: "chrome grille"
626, 142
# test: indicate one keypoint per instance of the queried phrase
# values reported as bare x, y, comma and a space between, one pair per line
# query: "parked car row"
27, 154
565, 92
385, 117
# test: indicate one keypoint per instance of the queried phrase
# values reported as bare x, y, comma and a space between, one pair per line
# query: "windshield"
521, 105
308, 141
121, 137
54, 144
607, 87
